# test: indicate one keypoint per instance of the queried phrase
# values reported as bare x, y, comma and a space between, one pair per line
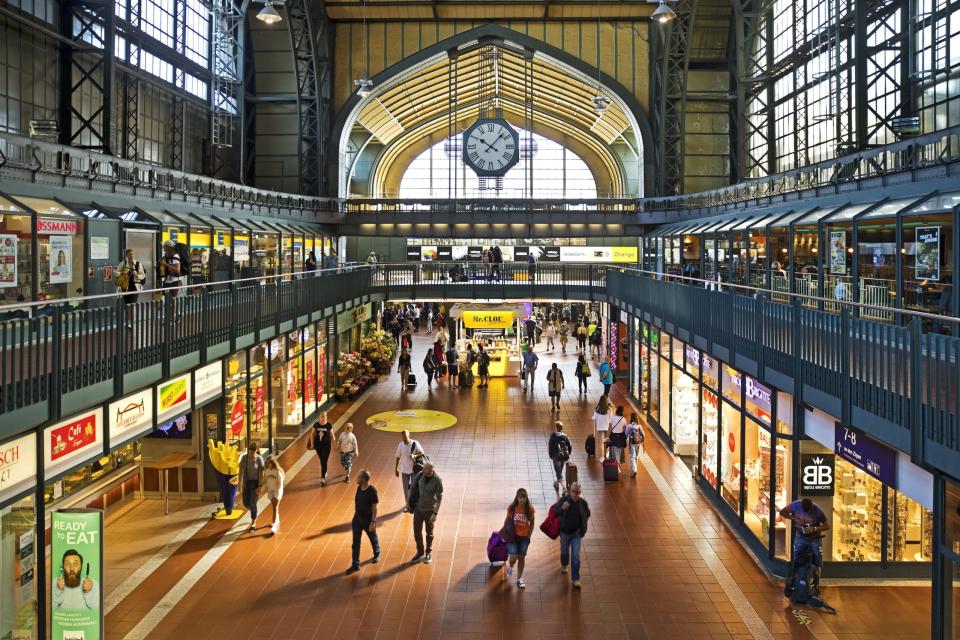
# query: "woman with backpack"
583, 372
601, 421
635, 438
516, 533
559, 450
618, 436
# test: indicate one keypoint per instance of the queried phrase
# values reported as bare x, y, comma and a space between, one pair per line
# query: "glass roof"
728, 225
888, 209
849, 212
743, 223
91, 211
8, 206
195, 221
813, 216
43, 206
945, 202
165, 217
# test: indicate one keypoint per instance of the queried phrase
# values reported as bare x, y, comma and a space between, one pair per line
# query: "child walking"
347, 443
273, 477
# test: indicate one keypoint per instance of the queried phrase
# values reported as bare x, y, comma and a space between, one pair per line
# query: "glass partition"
877, 257
927, 253
806, 248
838, 272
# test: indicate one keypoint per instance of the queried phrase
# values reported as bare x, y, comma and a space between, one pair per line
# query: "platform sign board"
865, 453
76, 568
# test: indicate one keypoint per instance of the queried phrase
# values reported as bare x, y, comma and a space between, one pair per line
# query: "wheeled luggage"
591, 446
462, 379
611, 471
496, 549
411, 380
569, 473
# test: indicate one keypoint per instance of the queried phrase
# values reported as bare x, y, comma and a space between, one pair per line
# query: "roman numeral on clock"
507, 155
474, 156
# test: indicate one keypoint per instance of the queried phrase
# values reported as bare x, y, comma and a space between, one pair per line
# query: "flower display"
379, 349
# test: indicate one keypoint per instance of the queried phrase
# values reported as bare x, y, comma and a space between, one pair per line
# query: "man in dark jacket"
431, 367
426, 493
559, 449
574, 514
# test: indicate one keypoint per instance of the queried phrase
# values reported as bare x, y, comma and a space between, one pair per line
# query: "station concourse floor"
657, 560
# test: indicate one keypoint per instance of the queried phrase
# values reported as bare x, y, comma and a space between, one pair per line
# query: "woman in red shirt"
516, 531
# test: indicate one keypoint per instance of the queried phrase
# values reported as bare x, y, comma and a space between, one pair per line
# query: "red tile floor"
657, 561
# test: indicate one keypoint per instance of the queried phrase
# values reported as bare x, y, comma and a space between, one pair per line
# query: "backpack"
183, 252
585, 370
564, 449
122, 279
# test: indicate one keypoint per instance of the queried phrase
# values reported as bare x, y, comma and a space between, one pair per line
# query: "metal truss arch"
299, 26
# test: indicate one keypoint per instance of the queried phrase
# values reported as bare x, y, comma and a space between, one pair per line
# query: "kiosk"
497, 328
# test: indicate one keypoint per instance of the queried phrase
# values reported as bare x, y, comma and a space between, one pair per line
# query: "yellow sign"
173, 393
623, 254
413, 420
488, 319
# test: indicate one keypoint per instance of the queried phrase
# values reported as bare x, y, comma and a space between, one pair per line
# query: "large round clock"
491, 147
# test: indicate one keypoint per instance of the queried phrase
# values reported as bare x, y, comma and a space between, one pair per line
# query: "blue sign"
865, 453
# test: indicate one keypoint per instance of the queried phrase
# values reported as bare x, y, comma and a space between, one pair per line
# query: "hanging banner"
76, 568
259, 404
308, 393
61, 259
321, 372
838, 252
488, 319
8, 260
928, 253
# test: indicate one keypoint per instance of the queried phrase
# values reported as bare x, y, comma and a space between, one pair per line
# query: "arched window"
558, 172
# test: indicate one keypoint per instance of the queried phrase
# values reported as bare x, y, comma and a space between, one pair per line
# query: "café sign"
73, 441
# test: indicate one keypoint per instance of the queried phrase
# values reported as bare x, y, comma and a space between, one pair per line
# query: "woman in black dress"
322, 440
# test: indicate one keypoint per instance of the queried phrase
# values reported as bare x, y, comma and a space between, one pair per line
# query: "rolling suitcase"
611, 471
443, 369
569, 473
462, 379
591, 446
411, 380
496, 549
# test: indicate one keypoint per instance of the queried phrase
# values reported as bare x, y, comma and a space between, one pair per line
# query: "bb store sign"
817, 473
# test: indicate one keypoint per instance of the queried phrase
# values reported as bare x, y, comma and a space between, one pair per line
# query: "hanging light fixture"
364, 84
663, 13
269, 14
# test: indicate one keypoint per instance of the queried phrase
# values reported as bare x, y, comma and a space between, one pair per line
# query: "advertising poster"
61, 259
308, 395
928, 253
238, 416
241, 249
838, 252
76, 568
413, 253
321, 371
444, 253
428, 254
259, 404
8, 260
173, 397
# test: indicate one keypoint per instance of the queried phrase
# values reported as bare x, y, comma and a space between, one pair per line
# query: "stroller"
803, 582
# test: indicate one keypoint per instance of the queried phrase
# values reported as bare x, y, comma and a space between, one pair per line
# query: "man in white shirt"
404, 467
72, 590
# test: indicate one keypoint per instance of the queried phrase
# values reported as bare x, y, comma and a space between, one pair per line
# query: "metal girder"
86, 76
131, 118
226, 85
308, 96
752, 26
671, 48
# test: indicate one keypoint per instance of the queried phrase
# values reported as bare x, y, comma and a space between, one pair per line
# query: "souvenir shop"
754, 450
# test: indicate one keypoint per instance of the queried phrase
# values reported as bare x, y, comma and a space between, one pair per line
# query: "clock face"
491, 147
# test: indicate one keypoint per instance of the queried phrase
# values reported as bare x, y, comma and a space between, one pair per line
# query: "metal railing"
57, 349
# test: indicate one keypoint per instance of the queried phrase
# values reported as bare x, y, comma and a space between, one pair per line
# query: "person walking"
129, 279
601, 422
555, 386
365, 503
531, 267
430, 320
251, 477
606, 375
310, 264
430, 366
416, 319
583, 372
618, 436
273, 479
322, 442
409, 452
516, 531
564, 332
426, 494
349, 450
530, 329
530, 363
550, 332
453, 368
581, 338
574, 514
496, 258
403, 366
596, 342
635, 439
559, 450
483, 367
331, 260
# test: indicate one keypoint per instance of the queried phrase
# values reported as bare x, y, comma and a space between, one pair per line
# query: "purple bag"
496, 548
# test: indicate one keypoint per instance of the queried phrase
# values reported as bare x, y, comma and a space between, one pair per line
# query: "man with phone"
72, 590
812, 521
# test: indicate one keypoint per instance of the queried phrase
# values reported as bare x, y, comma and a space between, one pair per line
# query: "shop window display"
16, 269
664, 394
90, 473
782, 498
857, 514
910, 529
235, 406
784, 413
956, 602
730, 476
758, 456
686, 413
18, 597
951, 530
708, 445
259, 417
653, 368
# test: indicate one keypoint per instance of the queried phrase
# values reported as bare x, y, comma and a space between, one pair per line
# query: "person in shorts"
516, 532
349, 450
483, 367
273, 477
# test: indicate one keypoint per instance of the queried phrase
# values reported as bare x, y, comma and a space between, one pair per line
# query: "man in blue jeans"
574, 513
811, 522
251, 477
364, 520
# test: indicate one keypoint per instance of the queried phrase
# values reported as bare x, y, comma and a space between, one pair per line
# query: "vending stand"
497, 327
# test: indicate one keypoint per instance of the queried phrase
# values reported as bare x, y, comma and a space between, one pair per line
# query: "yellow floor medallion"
413, 420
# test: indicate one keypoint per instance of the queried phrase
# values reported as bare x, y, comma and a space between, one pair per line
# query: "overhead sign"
72, 442
488, 319
866, 454
817, 474
173, 398
18, 465
129, 417
76, 574
208, 382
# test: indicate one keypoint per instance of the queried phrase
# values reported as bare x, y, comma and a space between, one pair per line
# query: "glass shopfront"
18, 585
59, 261
16, 253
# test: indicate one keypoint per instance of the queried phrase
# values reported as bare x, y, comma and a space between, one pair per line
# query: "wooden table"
164, 464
